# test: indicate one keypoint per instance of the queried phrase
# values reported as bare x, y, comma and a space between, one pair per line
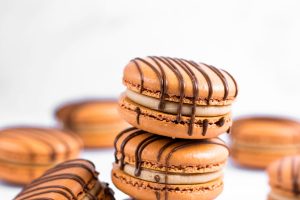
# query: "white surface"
52, 51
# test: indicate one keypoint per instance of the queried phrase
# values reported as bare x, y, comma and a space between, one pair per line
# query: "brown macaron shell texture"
165, 168
73, 179
257, 141
27, 152
193, 98
96, 121
284, 178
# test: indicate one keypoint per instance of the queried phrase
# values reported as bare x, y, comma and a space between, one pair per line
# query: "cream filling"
173, 178
276, 196
171, 107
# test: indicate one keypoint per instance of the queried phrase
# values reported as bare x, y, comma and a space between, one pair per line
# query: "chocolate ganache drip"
176, 144
34, 189
177, 66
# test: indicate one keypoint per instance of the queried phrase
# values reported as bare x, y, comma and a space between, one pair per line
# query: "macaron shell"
139, 189
97, 122
199, 156
152, 85
283, 172
266, 130
164, 124
89, 112
254, 159
73, 179
26, 152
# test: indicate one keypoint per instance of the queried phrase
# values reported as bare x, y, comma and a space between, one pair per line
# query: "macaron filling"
172, 107
173, 178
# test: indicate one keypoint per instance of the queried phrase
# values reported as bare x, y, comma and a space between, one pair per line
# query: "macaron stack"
178, 108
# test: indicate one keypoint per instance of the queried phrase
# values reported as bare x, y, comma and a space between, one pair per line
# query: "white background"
53, 51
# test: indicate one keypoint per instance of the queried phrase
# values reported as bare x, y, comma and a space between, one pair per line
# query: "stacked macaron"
178, 108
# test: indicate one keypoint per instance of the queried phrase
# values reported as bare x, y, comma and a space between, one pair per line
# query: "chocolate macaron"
177, 98
284, 178
257, 141
149, 166
71, 180
96, 121
26, 153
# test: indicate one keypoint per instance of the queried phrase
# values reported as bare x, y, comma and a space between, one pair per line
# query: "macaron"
256, 141
71, 180
284, 178
149, 166
27, 152
177, 98
97, 122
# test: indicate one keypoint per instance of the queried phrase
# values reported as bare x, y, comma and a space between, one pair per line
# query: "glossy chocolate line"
70, 192
207, 78
123, 144
57, 136
32, 155
159, 76
117, 139
222, 78
72, 165
204, 126
80, 160
195, 85
141, 74
139, 150
181, 146
138, 113
295, 176
165, 84
47, 177
234, 81
70, 176
181, 83
62, 141
40, 138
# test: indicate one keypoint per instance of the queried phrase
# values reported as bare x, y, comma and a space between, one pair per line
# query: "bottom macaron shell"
165, 124
20, 174
139, 189
254, 159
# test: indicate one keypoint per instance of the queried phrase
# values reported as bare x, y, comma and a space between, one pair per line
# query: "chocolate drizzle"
178, 66
295, 173
138, 113
48, 138
42, 187
173, 145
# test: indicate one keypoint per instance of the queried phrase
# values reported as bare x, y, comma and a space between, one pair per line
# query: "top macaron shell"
199, 157
266, 130
219, 83
284, 176
89, 112
38, 145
